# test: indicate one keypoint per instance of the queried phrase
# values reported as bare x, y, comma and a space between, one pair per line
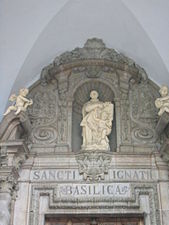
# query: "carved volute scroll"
43, 115
143, 112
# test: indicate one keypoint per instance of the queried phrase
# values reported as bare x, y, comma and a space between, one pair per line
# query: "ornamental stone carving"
64, 88
96, 123
13, 152
162, 103
94, 54
43, 116
91, 178
20, 102
93, 165
143, 112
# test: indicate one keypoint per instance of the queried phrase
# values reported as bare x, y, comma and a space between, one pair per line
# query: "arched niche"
65, 86
81, 96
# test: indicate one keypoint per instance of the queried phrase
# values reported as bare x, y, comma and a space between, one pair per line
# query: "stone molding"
12, 126
93, 53
13, 152
133, 203
13, 149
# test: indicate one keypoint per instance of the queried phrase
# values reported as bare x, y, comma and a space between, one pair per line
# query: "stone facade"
45, 172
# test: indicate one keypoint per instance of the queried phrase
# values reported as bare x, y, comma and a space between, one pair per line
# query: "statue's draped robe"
93, 125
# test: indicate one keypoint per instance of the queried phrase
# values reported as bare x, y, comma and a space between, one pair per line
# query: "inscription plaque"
54, 175
116, 190
73, 175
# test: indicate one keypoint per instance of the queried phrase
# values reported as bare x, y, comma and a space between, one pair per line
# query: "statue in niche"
162, 103
20, 102
96, 123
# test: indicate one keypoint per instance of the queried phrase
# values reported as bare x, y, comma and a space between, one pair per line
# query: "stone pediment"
93, 53
64, 87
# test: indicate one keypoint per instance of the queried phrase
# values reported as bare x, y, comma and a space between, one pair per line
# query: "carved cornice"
12, 155
13, 126
94, 53
133, 203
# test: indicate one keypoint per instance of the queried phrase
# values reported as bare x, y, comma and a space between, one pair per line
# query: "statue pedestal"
95, 148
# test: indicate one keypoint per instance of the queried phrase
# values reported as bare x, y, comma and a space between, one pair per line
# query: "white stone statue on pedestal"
162, 103
20, 102
96, 123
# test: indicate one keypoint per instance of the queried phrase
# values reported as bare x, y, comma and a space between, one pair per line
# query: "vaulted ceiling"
33, 33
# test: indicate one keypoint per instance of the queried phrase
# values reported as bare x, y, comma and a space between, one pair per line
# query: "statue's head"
164, 91
23, 91
94, 94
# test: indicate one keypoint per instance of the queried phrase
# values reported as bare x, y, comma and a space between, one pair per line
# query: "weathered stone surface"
164, 151
65, 85
13, 152
163, 122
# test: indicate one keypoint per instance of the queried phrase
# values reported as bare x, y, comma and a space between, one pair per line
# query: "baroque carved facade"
41, 148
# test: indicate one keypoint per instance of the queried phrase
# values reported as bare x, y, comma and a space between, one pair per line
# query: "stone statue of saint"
162, 103
20, 102
96, 123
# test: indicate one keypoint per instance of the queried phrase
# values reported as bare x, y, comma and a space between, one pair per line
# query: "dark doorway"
94, 220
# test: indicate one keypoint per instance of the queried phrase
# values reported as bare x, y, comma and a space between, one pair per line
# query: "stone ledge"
13, 145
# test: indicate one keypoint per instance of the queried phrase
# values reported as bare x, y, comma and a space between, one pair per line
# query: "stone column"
164, 201
13, 154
